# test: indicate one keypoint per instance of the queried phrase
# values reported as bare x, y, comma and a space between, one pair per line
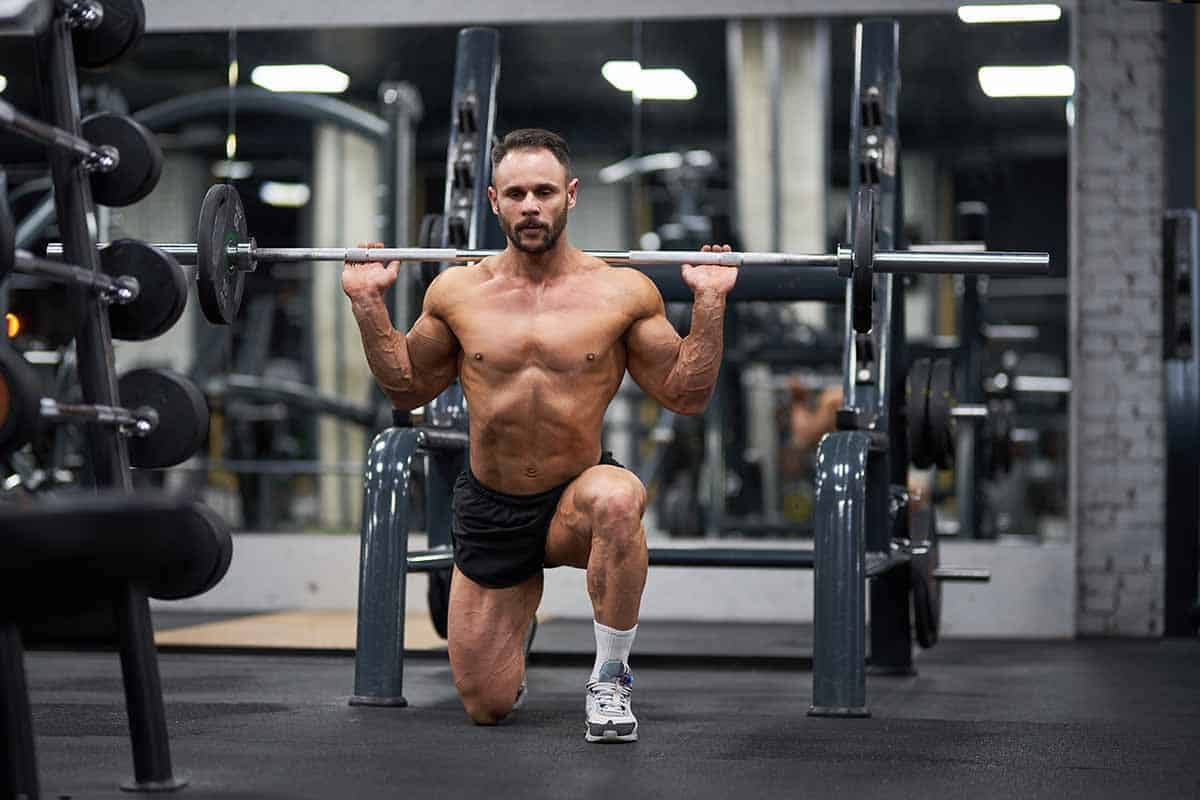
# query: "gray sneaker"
609, 713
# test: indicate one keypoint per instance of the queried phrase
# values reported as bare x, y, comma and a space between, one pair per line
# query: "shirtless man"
540, 336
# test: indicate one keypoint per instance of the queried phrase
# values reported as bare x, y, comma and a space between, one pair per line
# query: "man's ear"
492, 200
572, 192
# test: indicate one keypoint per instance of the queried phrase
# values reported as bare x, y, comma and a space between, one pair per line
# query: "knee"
487, 709
618, 507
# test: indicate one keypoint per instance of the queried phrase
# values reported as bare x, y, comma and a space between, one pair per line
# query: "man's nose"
529, 205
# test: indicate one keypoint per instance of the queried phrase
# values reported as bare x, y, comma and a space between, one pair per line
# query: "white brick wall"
1118, 436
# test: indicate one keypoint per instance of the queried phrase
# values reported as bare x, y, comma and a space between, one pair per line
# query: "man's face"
531, 196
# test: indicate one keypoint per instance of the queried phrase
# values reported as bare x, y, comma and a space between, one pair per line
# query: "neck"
540, 266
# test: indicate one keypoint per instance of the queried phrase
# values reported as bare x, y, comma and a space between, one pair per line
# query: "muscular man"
540, 337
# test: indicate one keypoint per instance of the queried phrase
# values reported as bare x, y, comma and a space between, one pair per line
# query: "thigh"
486, 632
569, 540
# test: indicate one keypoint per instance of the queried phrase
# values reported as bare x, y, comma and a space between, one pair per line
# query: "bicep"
652, 348
432, 346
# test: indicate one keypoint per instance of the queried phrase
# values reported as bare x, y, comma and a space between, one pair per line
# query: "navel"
591, 356
479, 356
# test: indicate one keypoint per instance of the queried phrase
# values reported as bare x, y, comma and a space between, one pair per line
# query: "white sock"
611, 645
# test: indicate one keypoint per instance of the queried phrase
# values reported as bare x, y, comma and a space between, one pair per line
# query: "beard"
549, 237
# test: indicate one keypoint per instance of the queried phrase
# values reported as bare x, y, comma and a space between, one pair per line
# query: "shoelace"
611, 698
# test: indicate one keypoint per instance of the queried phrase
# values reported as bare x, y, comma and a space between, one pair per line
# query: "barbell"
224, 252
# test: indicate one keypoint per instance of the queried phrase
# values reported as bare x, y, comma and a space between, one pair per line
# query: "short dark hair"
532, 139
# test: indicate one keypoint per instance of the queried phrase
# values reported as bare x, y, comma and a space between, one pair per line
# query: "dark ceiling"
551, 77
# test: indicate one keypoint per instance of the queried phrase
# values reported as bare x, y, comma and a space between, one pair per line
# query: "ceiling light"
3, 83
300, 78
1052, 81
667, 83
664, 84
1034, 12
284, 195
621, 74
232, 170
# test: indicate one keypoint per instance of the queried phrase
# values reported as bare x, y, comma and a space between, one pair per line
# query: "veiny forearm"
386, 349
692, 378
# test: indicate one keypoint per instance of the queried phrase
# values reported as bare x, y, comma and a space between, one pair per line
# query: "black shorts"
500, 539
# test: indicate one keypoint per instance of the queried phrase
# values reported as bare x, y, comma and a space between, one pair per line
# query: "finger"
727, 248
706, 248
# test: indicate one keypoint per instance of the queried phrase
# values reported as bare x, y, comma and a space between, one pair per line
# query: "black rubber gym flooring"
1082, 719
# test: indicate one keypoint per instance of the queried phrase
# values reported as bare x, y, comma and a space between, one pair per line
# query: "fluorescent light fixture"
284, 195
3, 83
232, 170
1033, 12
668, 83
621, 74
300, 78
1052, 81
664, 84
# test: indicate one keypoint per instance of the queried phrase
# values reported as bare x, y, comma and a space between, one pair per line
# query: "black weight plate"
941, 403
864, 258
926, 589
163, 290
430, 236
20, 400
8, 232
916, 405
222, 225
439, 599
182, 416
123, 25
140, 164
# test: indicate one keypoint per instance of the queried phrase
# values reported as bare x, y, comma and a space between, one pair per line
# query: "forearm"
387, 351
692, 378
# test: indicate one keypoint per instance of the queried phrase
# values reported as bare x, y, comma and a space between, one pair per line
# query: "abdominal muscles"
536, 428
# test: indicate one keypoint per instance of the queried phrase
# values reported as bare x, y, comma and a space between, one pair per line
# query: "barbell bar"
245, 256
225, 251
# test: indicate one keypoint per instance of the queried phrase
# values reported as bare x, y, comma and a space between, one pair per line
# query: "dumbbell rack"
108, 453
